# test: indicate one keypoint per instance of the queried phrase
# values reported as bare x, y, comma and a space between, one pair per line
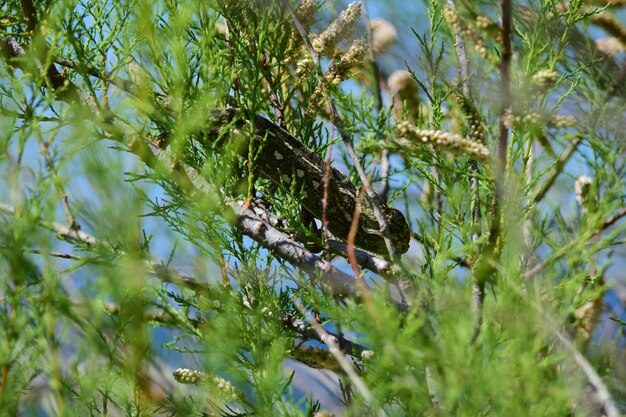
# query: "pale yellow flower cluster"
189, 376
545, 79
484, 22
344, 25
582, 186
536, 119
384, 35
561, 122
610, 46
225, 387
611, 24
341, 69
304, 67
488, 25
444, 140
405, 93
471, 35
306, 13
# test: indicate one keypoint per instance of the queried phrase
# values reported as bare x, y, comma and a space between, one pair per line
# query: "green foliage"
123, 255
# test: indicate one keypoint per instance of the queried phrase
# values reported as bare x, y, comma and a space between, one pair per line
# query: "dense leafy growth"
156, 260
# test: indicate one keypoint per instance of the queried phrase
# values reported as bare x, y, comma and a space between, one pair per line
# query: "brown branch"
613, 219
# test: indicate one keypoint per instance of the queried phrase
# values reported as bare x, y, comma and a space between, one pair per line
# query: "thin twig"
162, 317
384, 155
557, 170
613, 219
327, 175
352, 257
478, 285
163, 273
505, 89
119, 82
366, 260
345, 138
486, 267
53, 254
604, 395
45, 150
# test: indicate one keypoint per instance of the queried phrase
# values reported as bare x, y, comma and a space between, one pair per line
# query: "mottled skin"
290, 164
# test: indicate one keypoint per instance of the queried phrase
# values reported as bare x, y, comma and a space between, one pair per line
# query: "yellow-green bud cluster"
561, 122
341, 69
461, 28
535, 119
384, 35
304, 67
193, 377
489, 26
326, 42
189, 376
473, 122
545, 79
225, 388
315, 101
437, 138
524, 119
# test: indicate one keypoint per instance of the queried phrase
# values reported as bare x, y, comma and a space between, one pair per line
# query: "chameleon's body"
290, 164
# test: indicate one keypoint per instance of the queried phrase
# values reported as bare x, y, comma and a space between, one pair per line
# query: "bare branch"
306, 332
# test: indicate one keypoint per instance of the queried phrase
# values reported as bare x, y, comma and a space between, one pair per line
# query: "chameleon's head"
398, 232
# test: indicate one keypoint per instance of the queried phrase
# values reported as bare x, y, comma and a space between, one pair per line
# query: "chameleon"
290, 164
